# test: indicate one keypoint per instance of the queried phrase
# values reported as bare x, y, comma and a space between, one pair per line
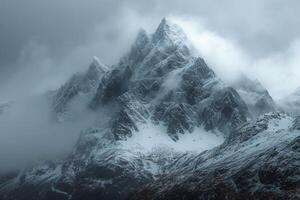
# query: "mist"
30, 133
279, 71
45, 42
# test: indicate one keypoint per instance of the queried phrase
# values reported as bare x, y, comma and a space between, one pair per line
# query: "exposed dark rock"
111, 86
131, 112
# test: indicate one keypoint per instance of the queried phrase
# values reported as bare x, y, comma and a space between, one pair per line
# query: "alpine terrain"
167, 127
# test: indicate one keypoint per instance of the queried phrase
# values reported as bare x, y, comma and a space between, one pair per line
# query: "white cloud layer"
279, 72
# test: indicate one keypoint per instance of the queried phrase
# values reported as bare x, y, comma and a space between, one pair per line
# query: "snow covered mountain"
169, 128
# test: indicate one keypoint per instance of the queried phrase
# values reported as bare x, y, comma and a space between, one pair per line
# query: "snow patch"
151, 137
278, 132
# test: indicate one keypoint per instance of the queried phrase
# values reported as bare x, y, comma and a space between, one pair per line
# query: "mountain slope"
261, 163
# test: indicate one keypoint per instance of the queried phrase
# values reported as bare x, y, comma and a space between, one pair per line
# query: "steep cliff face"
164, 115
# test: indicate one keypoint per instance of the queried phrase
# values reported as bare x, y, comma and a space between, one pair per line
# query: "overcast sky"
54, 38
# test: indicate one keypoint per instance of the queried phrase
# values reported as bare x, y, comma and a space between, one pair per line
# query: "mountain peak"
166, 24
142, 33
169, 31
142, 38
97, 65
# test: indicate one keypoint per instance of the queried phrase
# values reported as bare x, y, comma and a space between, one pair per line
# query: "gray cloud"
260, 26
29, 135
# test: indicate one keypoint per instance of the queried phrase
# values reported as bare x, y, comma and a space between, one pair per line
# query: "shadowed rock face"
160, 83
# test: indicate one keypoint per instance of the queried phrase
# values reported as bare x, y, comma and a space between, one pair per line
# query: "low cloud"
279, 72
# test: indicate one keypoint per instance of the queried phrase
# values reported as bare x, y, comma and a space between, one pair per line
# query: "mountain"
255, 95
79, 85
167, 128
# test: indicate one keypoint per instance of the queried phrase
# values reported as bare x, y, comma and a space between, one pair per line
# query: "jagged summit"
170, 32
142, 36
157, 54
97, 65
